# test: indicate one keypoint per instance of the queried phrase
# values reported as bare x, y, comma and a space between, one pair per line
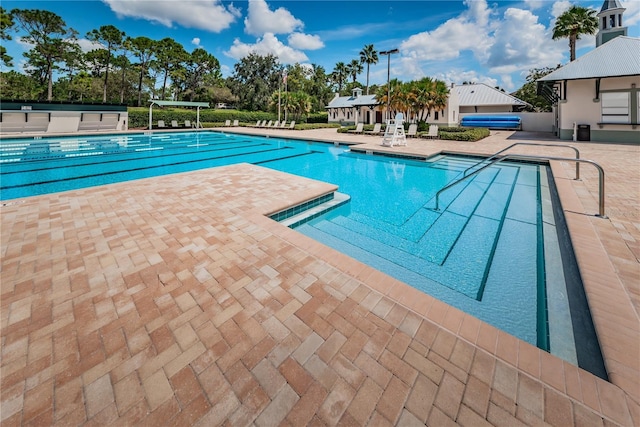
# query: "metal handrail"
495, 155
601, 176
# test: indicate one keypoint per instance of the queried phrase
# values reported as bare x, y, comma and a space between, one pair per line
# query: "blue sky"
473, 40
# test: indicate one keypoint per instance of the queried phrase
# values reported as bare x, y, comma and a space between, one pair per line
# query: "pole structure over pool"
162, 103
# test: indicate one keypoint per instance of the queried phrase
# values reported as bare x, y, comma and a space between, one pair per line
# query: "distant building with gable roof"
467, 98
482, 98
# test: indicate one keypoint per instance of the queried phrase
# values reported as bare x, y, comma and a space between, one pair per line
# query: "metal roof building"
480, 94
355, 100
596, 97
616, 58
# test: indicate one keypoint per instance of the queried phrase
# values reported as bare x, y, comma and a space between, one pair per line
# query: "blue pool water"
483, 251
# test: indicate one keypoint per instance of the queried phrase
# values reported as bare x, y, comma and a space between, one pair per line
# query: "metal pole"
388, 54
388, 86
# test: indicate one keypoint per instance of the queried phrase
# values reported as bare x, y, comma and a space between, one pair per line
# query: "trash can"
584, 133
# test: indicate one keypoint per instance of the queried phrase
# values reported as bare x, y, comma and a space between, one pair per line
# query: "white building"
471, 98
597, 95
357, 108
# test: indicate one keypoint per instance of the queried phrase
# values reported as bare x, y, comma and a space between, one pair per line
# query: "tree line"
131, 70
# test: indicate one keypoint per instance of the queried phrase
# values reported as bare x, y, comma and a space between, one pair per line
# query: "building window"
613, 21
616, 107
620, 20
604, 22
435, 115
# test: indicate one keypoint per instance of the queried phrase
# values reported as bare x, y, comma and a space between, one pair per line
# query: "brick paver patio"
175, 301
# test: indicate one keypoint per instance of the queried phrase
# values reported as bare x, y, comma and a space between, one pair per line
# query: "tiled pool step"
297, 215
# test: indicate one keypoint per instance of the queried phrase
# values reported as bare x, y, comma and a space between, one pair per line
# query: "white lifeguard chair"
394, 133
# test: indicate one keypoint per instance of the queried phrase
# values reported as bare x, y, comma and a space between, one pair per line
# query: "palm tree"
339, 74
368, 55
422, 90
573, 23
396, 99
354, 68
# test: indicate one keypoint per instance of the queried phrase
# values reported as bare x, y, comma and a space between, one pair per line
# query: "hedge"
463, 134
448, 133
139, 116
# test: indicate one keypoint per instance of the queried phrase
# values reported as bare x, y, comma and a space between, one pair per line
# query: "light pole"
388, 54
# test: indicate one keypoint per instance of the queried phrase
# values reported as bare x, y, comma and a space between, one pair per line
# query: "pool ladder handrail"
495, 155
601, 175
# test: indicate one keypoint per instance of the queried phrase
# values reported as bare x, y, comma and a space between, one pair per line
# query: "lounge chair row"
228, 123
411, 132
175, 124
276, 125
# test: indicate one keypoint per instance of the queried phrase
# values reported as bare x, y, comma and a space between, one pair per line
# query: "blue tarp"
492, 122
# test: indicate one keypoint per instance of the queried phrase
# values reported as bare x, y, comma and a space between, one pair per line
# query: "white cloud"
521, 42
534, 4
354, 31
507, 82
632, 14
269, 44
558, 8
24, 44
225, 70
209, 15
195, 41
470, 31
261, 20
88, 45
508, 45
305, 41
459, 76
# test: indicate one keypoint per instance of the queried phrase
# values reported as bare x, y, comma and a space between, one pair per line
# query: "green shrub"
305, 126
453, 129
318, 118
463, 134
139, 116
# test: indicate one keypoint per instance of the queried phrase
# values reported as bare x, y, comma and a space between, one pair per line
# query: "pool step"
313, 211
455, 247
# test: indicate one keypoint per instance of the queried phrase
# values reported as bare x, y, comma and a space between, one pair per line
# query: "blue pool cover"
492, 121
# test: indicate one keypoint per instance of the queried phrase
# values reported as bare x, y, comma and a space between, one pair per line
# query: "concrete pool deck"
174, 300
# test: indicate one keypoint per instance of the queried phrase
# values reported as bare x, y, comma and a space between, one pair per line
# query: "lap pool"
491, 250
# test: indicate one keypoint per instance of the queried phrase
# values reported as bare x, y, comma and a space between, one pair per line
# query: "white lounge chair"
433, 132
161, 124
358, 128
174, 124
276, 124
257, 124
376, 129
283, 124
236, 123
292, 124
187, 123
413, 130
394, 133
227, 122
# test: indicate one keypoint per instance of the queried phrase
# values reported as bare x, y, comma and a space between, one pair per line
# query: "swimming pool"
490, 250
